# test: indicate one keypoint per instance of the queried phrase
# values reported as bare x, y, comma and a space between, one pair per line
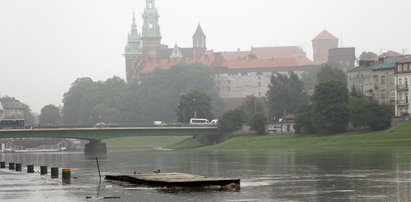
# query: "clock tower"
151, 30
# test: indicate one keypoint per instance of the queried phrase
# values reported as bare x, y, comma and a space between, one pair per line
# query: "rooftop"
325, 35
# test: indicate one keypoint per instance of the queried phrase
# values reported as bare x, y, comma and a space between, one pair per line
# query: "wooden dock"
179, 181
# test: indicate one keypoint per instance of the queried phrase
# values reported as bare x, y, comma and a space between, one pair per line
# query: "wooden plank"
179, 181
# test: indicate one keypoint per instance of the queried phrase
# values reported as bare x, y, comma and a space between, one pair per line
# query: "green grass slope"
397, 137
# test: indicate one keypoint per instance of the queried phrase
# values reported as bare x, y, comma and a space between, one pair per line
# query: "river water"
275, 175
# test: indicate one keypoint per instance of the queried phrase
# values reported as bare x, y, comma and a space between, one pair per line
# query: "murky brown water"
276, 175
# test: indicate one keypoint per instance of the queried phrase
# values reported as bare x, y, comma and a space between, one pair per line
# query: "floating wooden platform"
179, 181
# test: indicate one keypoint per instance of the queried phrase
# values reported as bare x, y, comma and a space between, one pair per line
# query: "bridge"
96, 135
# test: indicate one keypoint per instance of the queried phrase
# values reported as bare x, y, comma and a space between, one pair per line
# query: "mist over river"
274, 175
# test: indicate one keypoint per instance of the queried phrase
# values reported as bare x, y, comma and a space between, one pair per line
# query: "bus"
11, 123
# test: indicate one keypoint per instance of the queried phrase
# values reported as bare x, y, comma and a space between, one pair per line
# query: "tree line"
156, 97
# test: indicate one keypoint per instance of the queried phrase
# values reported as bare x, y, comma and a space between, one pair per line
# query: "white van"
214, 122
197, 121
159, 123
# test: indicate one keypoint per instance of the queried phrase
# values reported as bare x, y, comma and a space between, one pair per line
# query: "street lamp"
184, 111
195, 112
266, 108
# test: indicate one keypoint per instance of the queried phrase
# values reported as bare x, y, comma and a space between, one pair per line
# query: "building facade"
360, 79
385, 79
342, 57
403, 91
321, 45
12, 108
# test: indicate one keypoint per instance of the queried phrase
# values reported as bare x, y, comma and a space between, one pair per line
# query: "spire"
134, 26
199, 32
133, 40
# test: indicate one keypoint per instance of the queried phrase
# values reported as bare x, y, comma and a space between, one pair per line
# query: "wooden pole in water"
98, 167
11, 166
30, 168
66, 176
43, 170
18, 167
54, 172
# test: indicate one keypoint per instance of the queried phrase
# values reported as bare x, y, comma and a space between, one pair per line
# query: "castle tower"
133, 50
151, 30
199, 42
321, 44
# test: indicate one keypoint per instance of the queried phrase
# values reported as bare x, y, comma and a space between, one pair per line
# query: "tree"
358, 112
328, 72
285, 94
257, 123
330, 109
231, 120
303, 119
74, 102
50, 114
367, 55
194, 104
28, 116
250, 106
378, 116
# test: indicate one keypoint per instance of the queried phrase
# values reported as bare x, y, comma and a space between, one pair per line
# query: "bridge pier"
95, 147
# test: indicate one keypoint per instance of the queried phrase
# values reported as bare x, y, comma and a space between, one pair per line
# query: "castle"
237, 74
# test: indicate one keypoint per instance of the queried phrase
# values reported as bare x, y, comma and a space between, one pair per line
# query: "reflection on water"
277, 175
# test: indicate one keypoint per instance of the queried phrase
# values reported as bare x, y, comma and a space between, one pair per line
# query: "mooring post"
11, 166
54, 172
18, 167
66, 175
30, 168
2, 164
43, 170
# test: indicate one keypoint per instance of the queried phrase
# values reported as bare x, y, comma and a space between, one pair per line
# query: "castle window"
382, 79
399, 68
150, 25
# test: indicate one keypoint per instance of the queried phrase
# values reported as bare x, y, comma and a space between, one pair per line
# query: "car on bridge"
159, 123
100, 125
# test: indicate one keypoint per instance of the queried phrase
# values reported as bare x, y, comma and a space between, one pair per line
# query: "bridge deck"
107, 133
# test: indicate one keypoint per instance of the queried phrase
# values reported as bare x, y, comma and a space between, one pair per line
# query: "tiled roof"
324, 35
361, 68
234, 55
408, 60
388, 64
164, 52
388, 54
288, 116
12, 104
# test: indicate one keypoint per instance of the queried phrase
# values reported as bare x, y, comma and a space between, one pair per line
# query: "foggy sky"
46, 44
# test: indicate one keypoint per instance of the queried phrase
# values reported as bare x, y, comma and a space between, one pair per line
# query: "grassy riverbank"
398, 137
